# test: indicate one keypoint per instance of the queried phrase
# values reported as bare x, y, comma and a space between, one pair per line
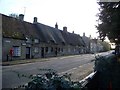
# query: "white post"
0, 37
0, 51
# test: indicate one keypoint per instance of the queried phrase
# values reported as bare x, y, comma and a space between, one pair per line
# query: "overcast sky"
78, 15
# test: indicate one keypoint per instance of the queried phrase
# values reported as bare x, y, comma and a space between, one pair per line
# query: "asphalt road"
10, 78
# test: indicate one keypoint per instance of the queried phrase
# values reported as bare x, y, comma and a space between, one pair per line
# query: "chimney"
56, 25
65, 29
73, 32
83, 34
90, 37
35, 20
21, 17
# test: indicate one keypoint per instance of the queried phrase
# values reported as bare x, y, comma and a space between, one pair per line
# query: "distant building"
24, 40
92, 45
87, 43
95, 46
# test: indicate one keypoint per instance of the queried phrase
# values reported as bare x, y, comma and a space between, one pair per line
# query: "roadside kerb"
15, 62
23, 61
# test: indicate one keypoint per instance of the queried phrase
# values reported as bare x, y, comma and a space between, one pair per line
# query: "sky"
77, 15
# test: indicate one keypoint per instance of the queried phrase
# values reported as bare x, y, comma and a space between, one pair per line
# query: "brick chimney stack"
56, 25
35, 20
84, 34
65, 29
21, 17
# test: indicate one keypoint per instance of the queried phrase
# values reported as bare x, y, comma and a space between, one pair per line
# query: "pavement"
16, 62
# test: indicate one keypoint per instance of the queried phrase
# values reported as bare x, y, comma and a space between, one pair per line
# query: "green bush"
50, 81
109, 72
104, 63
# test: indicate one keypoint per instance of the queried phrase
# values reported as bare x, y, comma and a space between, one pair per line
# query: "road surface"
77, 65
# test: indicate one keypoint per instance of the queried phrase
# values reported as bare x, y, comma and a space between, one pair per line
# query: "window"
61, 49
36, 49
68, 49
28, 40
58, 49
16, 51
36, 40
51, 49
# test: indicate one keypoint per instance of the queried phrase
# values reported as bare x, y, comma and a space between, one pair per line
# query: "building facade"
87, 43
24, 40
95, 46
92, 45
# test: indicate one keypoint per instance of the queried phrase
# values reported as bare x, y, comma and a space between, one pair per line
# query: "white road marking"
54, 58
70, 70
66, 57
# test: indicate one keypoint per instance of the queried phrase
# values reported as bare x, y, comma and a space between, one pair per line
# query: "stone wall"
8, 44
39, 50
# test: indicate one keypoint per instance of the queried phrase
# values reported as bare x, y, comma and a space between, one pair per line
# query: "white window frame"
16, 51
36, 40
28, 40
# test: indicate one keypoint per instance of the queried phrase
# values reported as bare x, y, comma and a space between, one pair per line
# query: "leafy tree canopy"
109, 21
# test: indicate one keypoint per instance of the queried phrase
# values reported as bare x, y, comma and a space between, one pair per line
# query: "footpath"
16, 62
25, 61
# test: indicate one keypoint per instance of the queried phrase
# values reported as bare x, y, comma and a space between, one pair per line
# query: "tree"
106, 45
109, 21
14, 15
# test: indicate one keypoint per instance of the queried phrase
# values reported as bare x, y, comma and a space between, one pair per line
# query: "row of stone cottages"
24, 40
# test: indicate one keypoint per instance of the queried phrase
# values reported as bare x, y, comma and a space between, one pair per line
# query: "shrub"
50, 81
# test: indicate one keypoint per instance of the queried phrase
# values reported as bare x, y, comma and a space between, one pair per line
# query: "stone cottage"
87, 43
24, 40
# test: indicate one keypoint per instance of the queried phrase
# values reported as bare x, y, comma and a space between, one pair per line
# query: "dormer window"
28, 40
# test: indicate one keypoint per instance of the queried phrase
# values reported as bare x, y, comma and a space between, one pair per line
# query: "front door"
42, 52
56, 52
27, 52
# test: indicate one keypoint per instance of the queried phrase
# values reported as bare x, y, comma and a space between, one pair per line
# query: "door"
42, 52
56, 51
27, 52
